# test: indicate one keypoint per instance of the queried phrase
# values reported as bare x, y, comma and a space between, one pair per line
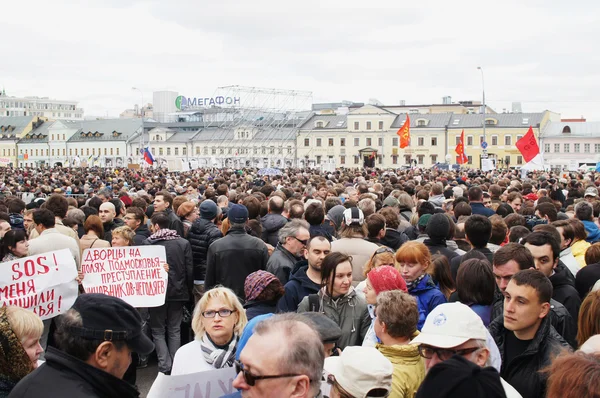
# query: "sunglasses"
251, 379
443, 353
304, 242
384, 249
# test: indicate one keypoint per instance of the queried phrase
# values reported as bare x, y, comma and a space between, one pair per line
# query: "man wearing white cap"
591, 194
359, 372
455, 329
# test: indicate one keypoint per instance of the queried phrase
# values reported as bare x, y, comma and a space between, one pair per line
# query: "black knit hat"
460, 378
438, 227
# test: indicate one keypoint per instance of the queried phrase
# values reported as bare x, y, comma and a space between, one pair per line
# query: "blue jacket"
298, 287
479, 208
592, 230
428, 297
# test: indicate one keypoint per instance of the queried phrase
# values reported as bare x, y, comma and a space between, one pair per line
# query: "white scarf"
217, 357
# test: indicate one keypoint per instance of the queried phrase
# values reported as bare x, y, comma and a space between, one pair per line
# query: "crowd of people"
352, 283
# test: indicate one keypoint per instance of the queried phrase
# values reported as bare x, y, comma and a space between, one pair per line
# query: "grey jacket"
349, 312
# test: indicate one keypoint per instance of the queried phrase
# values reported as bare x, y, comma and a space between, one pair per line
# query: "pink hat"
386, 278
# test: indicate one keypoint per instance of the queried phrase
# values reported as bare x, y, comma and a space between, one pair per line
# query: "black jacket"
560, 318
456, 261
564, 290
271, 224
65, 376
436, 247
523, 372
110, 226
281, 263
586, 278
141, 234
394, 239
202, 234
181, 267
479, 208
175, 222
256, 308
298, 287
232, 258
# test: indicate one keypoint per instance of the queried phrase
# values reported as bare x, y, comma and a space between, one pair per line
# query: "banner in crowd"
44, 283
209, 384
134, 274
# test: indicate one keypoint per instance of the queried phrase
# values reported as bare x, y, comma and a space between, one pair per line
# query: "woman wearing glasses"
218, 321
338, 300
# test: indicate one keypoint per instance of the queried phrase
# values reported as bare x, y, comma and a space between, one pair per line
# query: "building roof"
434, 120
107, 129
336, 122
262, 134
578, 129
505, 120
16, 125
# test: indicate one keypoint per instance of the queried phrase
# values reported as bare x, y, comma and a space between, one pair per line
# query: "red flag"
460, 150
404, 133
528, 146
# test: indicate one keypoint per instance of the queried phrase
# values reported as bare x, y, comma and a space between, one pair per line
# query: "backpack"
313, 303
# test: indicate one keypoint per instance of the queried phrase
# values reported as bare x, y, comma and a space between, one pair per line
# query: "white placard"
209, 384
134, 274
44, 283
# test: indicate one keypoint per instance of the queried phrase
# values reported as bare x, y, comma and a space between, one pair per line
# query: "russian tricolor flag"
148, 156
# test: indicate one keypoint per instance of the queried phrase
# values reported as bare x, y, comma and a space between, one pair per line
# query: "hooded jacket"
202, 234
181, 263
523, 371
560, 318
325, 230
393, 239
593, 232
578, 250
232, 258
281, 263
256, 308
566, 256
437, 200
16, 221
349, 312
271, 224
428, 297
564, 291
298, 287
141, 234
65, 376
409, 368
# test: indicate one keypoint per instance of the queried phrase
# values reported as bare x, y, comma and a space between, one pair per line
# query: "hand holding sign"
135, 274
44, 283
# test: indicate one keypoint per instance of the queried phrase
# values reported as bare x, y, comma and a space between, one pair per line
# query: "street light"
142, 116
484, 151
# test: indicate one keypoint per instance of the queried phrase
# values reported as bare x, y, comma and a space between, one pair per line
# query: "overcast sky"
541, 53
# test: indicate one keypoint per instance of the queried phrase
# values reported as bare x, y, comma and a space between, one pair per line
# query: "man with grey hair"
293, 372
231, 259
585, 213
367, 206
436, 197
293, 238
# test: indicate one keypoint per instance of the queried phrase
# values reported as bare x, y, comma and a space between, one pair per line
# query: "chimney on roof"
447, 100
402, 102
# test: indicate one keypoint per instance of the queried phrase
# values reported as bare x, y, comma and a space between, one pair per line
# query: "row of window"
231, 151
369, 125
31, 105
368, 141
57, 152
576, 148
408, 159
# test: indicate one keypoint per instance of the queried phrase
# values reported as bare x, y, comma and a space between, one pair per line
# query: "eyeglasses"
304, 242
443, 353
222, 313
251, 379
384, 249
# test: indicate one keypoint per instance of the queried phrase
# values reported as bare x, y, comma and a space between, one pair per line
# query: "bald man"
107, 214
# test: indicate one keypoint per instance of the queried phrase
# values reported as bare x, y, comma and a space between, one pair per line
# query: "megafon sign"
182, 102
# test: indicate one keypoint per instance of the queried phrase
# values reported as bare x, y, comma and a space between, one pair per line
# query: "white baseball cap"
361, 369
450, 325
354, 215
591, 191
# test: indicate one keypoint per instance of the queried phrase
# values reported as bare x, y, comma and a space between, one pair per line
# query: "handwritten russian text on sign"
44, 283
134, 274
209, 384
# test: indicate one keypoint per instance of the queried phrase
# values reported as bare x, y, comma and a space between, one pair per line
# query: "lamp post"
484, 151
142, 116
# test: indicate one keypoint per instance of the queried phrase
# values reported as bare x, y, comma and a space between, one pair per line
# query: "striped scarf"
218, 358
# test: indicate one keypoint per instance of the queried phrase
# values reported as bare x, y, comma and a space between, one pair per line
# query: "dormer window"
566, 130
491, 122
319, 124
421, 123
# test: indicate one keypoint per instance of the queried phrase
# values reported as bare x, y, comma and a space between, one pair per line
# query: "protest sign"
44, 283
209, 384
134, 274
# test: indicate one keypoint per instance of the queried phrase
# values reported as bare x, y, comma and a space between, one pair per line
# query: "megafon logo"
180, 102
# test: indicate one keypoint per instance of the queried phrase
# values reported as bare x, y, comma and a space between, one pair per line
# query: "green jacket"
409, 368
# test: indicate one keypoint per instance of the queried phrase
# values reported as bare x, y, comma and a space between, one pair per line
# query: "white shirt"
189, 359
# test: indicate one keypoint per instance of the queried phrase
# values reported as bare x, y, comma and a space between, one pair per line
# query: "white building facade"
43, 107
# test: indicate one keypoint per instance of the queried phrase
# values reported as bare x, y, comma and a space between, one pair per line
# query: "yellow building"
503, 130
11, 130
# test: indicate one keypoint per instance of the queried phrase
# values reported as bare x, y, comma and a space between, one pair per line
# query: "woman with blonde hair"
382, 256
122, 236
413, 260
218, 322
20, 332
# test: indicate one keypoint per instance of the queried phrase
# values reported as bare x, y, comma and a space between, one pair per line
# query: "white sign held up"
44, 283
209, 384
134, 274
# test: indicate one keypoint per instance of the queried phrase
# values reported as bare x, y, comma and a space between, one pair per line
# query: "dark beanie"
438, 227
460, 378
